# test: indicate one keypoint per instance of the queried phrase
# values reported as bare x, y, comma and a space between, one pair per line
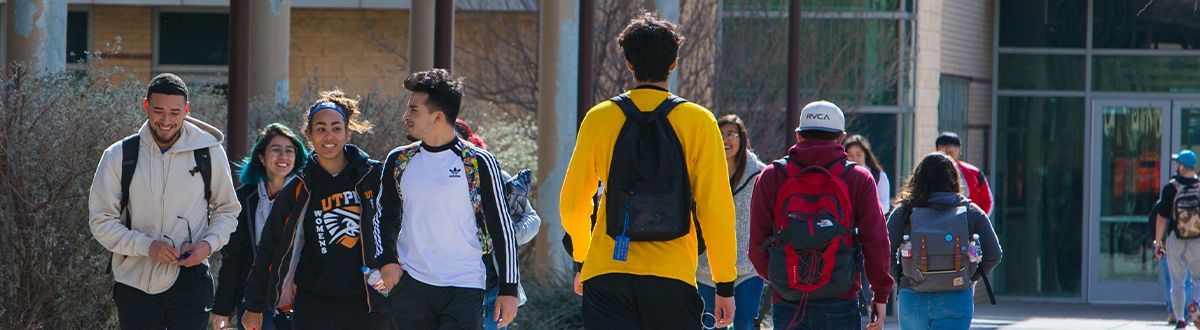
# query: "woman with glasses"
743, 166
276, 156
321, 232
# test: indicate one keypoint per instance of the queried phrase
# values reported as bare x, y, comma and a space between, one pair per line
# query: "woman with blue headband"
321, 233
276, 156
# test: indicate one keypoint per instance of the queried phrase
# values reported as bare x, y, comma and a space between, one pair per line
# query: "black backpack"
649, 195
129, 159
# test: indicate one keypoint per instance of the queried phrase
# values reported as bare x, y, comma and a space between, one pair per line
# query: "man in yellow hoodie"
638, 269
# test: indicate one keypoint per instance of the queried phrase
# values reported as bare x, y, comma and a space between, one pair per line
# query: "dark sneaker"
1181, 325
1171, 318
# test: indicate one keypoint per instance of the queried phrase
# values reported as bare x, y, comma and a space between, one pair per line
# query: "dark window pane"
193, 38
812, 5
1142, 25
954, 105
1048, 23
1146, 74
1038, 185
1042, 72
880, 129
77, 36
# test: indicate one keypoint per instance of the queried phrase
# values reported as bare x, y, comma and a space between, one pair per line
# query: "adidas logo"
826, 223
456, 173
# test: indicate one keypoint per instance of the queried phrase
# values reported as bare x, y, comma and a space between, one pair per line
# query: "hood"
194, 134
753, 165
945, 200
817, 152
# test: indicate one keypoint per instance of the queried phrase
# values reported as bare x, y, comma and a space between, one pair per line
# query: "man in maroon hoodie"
822, 124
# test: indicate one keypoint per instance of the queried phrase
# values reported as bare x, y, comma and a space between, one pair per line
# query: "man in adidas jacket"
160, 261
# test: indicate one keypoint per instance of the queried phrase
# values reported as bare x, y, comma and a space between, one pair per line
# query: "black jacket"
238, 255
271, 281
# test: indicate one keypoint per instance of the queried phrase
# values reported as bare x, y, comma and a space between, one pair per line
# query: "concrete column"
270, 28
558, 68
420, 35
928, 73
36, 32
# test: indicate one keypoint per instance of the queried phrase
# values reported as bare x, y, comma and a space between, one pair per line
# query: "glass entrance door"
1132, 144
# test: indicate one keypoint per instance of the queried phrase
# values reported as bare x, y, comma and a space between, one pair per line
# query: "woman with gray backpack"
942, 244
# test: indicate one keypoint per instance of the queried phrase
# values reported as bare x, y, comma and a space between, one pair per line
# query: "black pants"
417, 305
625, 301
314, 311
186, 305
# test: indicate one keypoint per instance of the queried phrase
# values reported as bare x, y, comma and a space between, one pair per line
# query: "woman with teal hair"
277, 154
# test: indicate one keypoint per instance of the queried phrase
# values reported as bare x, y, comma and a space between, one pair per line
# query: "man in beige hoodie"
162, 238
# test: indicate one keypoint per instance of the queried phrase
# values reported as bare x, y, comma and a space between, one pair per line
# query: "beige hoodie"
165, 201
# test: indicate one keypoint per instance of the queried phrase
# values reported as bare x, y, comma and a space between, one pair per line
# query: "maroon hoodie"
872, 231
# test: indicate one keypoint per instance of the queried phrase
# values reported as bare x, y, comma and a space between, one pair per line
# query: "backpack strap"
204, 167
129, 158
631, 110
471, 165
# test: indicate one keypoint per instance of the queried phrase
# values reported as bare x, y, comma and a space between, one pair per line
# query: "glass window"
811, 5
1142, 25
1038, 213
1045, 23
1129, 181
1041, 72
849, 62
193, 38
77, 36
1190, 124
880, 129
1146, 74
954, 106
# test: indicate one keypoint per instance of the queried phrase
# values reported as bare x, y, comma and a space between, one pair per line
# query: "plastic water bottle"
906, 248
374, 279
975, 253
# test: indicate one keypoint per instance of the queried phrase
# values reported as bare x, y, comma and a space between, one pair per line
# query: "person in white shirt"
442, 203
858, 150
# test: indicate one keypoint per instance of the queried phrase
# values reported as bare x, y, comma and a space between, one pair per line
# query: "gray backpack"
939, 259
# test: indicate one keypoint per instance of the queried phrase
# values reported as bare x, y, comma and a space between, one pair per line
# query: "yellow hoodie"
705, 156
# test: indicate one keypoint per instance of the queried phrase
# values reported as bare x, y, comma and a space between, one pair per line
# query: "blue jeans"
936, 310
489, 310
1165, 278
823, 314
745, 298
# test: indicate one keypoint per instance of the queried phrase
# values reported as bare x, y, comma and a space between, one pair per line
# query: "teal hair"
252, 169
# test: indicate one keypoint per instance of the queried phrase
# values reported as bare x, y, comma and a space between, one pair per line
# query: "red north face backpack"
813, 249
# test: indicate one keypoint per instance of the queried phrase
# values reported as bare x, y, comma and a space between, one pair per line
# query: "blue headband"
327, 105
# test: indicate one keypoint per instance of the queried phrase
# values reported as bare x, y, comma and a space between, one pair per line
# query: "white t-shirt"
438, 243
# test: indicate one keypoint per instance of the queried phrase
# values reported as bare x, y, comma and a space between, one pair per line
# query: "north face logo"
818, 116
456, 173
826, 223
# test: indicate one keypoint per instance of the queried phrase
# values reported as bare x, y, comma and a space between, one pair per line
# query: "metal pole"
239, 78
443, 35
420, 37
587, 46
793, 69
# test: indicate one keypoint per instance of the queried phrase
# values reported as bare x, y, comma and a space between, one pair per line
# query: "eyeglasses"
730, 135
188, 224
